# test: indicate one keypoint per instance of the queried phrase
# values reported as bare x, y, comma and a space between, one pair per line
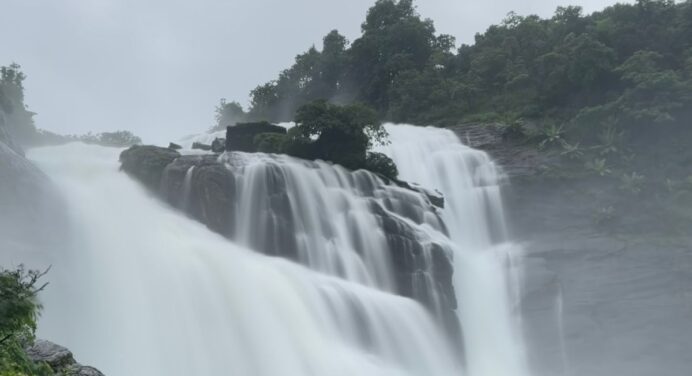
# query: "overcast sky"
158, 67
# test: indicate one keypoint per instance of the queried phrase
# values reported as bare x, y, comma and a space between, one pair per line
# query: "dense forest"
628, 65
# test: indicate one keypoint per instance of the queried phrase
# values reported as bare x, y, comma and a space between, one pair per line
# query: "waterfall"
483, 275
146, 290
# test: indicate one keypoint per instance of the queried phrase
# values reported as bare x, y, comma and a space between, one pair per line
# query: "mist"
155, 66
513, 201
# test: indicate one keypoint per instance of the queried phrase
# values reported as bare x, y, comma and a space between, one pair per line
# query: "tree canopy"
19, 119
628, 61
19, 309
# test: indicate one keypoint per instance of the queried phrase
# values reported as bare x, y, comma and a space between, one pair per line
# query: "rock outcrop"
206, 187
31, 209
60, 359
608, 272
203, 188
146, 163
241, 137
5, 136
517, 158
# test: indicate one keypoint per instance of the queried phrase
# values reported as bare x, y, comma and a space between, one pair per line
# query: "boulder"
59, 358
201, 146
241, 136
174, 146
218, 145
146, 163
203, 188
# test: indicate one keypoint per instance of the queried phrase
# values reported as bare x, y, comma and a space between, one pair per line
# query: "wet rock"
241, 136
31, 210
423, 269
174, 146
146, 163
201, 146
517, 158
5, 136
218, 145
204, 189
59, 358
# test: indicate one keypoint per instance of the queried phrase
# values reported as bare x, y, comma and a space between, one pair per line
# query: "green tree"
19, 310
342, 134
118, 139
229, 113
20, 120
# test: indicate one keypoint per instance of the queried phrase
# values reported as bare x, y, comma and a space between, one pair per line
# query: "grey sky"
158, 67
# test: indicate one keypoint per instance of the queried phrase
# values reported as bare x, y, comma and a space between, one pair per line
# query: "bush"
381, 164
270, 142
298, 146
342, 134
19, 310
119, 139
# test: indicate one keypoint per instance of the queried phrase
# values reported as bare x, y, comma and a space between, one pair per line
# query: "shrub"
341, 134
19, 310
599, 167
297, 145
381, 164
552, 135
270, 142
632, 183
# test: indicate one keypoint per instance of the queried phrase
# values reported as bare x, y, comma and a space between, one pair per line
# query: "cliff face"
31, 232
608, 271
30, 207
317, 214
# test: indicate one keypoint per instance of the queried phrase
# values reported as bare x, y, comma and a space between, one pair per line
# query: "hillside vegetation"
629, 65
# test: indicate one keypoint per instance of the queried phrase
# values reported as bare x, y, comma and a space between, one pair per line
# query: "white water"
468, 178
147, 291
325, 213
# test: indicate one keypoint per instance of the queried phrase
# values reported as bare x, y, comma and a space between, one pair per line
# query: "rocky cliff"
608, 266
31, 223
214, 189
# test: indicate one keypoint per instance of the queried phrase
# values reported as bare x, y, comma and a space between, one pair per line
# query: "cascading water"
145, 290
468, 178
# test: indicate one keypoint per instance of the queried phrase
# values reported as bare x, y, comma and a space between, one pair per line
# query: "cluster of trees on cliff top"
628, 64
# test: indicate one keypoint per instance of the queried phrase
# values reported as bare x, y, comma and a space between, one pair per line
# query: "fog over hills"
99, 65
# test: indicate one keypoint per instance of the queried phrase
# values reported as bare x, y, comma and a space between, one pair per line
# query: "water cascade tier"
283, 266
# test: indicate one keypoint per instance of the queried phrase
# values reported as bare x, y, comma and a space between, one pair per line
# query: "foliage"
552, 136
298, 145
342, 134
228, 113
19, 310
571, 151
604, 215
381, 164
610, 140
599, 167
20, 120
118, 139
632, 183
270, 142
606, 77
